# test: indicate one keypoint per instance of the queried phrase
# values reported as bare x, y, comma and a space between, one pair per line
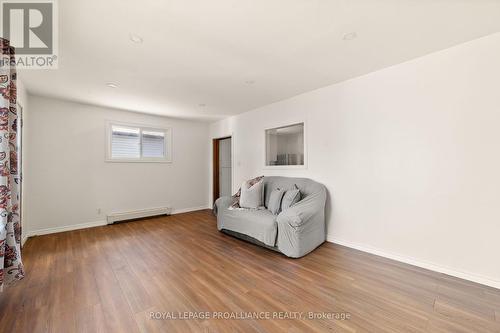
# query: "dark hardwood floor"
110, 279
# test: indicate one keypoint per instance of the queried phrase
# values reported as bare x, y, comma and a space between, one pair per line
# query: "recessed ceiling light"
250, 82
350, 36
202, 105
111, 85
136, 38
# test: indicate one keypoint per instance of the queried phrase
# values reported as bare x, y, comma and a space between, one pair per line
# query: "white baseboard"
187, 210
419, 263
54, 230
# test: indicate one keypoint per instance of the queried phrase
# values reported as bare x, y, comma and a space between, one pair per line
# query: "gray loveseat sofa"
294, 232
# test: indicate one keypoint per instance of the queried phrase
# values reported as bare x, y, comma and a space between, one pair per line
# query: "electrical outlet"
98, 211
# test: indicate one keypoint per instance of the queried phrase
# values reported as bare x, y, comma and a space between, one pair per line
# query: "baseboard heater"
137, 214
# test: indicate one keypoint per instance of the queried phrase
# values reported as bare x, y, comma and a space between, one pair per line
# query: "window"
125, 142
131, 143
285, 145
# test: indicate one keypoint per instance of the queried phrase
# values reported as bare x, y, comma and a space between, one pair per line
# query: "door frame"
215, 165
20, 167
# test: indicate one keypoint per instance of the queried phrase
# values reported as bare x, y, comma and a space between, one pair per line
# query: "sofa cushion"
252, 196
274, 205
290, 198
256, 223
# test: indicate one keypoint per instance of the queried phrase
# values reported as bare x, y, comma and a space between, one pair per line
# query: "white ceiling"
205, 52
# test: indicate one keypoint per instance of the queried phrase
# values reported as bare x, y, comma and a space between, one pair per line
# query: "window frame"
142, 127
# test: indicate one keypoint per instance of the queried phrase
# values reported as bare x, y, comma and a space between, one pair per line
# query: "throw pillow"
236, 197
275, 201
290, 198
251, 195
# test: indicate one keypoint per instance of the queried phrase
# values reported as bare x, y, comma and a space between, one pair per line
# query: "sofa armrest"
301, 228
304, 210
222, 203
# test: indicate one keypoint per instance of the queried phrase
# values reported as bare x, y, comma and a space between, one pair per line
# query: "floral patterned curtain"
11, 266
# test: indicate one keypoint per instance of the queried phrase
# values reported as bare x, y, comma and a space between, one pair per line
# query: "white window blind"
153, 144
128, 143
125, 142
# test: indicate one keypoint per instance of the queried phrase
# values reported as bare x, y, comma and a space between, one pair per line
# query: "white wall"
409, 154
66, 178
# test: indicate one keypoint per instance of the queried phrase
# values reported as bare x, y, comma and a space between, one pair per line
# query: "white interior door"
225, 167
